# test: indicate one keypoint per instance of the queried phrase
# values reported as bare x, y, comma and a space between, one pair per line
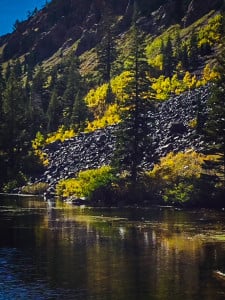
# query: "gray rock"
177, 127
170, 132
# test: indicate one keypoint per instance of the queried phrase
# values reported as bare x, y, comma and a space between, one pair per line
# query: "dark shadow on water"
56, 251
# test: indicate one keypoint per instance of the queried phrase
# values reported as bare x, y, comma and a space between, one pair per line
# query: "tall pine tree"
215, 125
2, 86
79, 112
168, 59
132, 136
73, 85
53, 112
38, 101
14, 126
106, 51
193, 51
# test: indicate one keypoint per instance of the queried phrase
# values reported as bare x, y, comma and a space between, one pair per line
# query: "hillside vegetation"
113, 65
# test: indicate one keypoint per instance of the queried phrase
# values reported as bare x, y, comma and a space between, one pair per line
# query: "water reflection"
54, 251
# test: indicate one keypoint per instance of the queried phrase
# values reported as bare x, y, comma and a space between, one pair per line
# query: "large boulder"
177, 127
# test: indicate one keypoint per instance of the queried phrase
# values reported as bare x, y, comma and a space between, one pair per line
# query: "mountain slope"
173, 132
76, 67
60, 24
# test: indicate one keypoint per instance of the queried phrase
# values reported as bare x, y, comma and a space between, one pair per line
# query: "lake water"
56, 251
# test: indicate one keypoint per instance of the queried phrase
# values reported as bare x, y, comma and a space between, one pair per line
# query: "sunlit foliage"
173, 166
207, 31
110, 117
166, 86
61, 135
86, 183
41, 141
177, 174
96, 98
209, 74
37, 145
210, 33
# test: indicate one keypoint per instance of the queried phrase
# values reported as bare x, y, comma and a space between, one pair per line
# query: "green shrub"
181, 192
86, 183
177, 176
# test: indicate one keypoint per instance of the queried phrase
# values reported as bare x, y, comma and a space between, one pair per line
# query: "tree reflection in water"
114, 254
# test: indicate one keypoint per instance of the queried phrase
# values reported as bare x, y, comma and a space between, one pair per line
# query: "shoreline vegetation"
84, 203
156, 155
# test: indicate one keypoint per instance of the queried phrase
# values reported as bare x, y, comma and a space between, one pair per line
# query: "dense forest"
119, 80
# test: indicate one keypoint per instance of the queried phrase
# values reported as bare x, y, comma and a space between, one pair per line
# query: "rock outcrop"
62, 23
198, 9
170, 129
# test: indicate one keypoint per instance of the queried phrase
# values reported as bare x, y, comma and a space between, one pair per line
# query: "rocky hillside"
61, 25
70, 68
170, 129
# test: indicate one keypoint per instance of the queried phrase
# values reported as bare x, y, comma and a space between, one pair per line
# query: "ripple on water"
15, 285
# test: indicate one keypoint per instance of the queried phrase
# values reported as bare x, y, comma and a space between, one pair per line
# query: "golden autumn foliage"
108, 114
110, 117
96, 98
174, 166
61, 135
105, 114
37, 144
210, 33
176, 175
86, 182
41, 141
208, 75
166, 86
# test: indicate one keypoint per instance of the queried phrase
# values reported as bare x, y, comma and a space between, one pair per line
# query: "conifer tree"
53, 112
79, 113
17, 68
184, 56
73, 85
177, 52
132, 140
8, 71
30, 60
168, 59
14, 119
193, 51
215, 125
106, 51
3, 164
2, 86
110, 97
38, 101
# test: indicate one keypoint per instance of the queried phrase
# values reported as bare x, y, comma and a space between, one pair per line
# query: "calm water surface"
55, 251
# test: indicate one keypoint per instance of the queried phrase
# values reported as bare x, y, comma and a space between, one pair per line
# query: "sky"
12, 10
